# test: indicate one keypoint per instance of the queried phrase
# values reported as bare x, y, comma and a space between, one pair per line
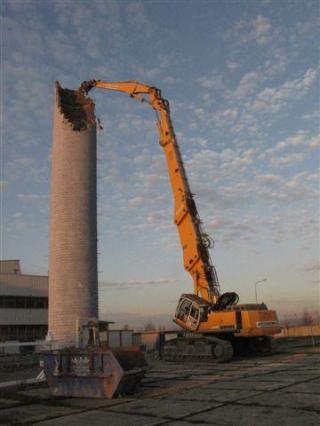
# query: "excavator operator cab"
191, 310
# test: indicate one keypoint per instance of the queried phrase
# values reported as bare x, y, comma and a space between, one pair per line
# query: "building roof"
14, 283
11, 266
23, 285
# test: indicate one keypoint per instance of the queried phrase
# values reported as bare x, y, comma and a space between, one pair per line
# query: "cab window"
184, 309
194, 313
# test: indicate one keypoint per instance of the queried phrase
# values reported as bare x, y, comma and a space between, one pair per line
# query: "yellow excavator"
215, 325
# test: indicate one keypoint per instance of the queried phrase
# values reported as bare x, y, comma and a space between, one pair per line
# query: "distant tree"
149, 326
306, 318
316, 318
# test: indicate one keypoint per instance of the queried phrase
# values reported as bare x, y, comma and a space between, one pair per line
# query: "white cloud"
218, 223
227, 229
232, 65
33, 197
269, 178
227, 114
273, 99
289, 159
313, 176
248, 84
136, 14
297, 139
258, 30
276, 62
314, 115
300, 141
133, 283
312, 266
261, 29
136, 202
314, 142
169, 79
198, 141
213, 80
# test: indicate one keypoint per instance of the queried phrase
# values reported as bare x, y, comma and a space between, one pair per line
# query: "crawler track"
198, 349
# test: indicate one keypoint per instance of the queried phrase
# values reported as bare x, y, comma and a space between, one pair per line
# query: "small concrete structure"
73, 281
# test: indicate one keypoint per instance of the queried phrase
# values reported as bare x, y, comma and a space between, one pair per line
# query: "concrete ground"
283, 389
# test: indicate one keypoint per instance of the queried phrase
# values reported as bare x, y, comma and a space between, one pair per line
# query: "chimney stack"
73, 281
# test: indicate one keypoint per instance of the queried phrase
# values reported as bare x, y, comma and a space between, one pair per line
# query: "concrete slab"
27, 372
168, 387
165, 383
207, 377
281, 377
39, 393
90, 403
282, 399
163, 375
182, 423
230, 415
242, 384
218, 378
211, 394
32, 413
307, 369
103, 418
6, 403
167, 408
206, 394
312, 387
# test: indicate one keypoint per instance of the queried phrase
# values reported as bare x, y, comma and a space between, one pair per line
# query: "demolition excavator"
215, 325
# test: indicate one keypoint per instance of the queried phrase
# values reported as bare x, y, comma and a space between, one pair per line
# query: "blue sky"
242, 78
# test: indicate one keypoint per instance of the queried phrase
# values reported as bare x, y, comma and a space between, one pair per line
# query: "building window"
23, 302
23, 333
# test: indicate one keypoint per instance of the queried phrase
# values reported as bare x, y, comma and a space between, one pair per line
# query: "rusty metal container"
94, 373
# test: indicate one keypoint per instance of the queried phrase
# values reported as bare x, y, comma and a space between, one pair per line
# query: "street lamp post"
255, 287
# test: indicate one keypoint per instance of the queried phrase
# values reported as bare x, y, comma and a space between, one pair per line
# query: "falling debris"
76, 107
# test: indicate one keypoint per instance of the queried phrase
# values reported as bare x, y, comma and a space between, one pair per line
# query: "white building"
23, 303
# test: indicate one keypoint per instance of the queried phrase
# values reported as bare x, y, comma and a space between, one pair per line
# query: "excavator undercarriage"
215, 349
198, 348
223, 330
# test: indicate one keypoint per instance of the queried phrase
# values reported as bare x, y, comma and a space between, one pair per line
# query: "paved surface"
283, 389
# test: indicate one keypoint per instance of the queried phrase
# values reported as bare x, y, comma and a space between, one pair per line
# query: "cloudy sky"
242, 78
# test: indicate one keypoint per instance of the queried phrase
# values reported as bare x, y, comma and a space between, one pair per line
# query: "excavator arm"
218, 321
195, 243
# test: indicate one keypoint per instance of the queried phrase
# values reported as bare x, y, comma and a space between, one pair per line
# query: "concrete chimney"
73, 282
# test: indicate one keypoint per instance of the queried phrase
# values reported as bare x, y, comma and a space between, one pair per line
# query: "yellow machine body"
252, 323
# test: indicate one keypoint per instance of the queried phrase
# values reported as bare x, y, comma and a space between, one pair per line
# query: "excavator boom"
194, 241
221, 325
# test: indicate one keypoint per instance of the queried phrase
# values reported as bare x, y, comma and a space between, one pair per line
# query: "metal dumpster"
94, 372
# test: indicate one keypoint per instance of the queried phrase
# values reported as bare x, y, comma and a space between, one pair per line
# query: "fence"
301, 331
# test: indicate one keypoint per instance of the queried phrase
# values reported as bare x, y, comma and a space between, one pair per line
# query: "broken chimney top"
76, 107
